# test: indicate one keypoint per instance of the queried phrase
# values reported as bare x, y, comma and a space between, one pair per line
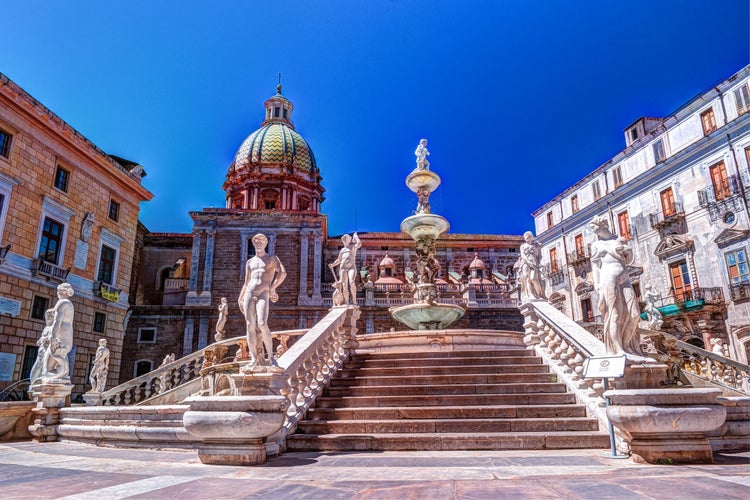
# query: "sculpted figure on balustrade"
618, 304
264, 273
530, 269
345, 285
100, 368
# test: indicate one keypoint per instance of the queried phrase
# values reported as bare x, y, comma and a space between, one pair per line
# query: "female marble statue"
55, 363
530, 269
610, 256
222, 321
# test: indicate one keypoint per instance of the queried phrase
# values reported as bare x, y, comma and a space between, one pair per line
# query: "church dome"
275, 143
274, 167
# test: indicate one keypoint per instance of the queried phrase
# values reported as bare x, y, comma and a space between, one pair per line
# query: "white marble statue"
654, 315
530, 269
43, 346
422, 153
423, 197
345, 281
264, 273
56, 340
100, 369
169, 358
222, 321
610, 256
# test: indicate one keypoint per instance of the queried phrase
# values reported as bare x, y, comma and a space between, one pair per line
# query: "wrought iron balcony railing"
721, 197
665, 218
48, 270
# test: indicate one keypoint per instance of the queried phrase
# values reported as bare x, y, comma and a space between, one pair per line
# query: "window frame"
139, 361
710, 117
65, 179
742, 99
625, 232
550, 219
95, 322
6, 191
59, 213
48, 236
672, 205
142, 329
574, 207
617, 176
6, 146
740, 275
33, 309
596, 190
660, 152
717, 173
112, 263
116, 206
553, 264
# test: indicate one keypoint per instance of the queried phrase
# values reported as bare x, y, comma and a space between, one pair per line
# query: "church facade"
273, 187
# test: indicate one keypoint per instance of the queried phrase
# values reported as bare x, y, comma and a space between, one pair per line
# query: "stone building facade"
679, 192
68, 212
273, 187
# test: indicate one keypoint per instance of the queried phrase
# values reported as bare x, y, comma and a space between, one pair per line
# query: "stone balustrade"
181, 371
711, 368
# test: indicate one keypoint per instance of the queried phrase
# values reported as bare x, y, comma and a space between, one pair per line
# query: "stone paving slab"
75, 471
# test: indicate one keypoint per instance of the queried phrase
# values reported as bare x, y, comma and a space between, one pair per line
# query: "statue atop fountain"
425, 227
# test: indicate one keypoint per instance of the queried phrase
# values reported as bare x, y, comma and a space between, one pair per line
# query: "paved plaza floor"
67, 470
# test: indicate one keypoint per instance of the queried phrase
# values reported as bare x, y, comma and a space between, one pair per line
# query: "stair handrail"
565, 345
311, 363
708, 366
175, 373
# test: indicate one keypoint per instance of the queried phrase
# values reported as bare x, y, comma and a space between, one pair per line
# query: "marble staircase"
496, 398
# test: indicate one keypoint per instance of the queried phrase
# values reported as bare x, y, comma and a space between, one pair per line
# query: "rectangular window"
617, 176
624, 222
114, 210
52, 233
597, 191
5, 139
553, 266
270, 205
742, 99
38, 306
100, 321
681, 288
550, 220
29, 357
276, 112
659, 154
61, 179
719, 180
107, 264
633, 134
667, 202
147, 335
587, 313
574, 203
709, 121
579, 245
737, 267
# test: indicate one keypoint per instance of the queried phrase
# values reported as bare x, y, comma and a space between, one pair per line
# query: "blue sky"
519, 99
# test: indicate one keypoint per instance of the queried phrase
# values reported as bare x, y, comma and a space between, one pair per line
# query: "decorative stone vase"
667, 425
232, 429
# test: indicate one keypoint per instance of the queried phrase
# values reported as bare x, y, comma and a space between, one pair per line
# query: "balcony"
175, 291
691, 300
48, 270
555, 273
739, 293
106, 291
664, 219
721, 198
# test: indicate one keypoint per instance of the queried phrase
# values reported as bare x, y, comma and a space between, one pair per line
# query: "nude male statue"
98, 377
347, 268
422, 153
264, 273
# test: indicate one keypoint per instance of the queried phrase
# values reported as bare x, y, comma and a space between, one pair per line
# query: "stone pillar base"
251, 452
667, 425
678, 449
93, 398
50, 396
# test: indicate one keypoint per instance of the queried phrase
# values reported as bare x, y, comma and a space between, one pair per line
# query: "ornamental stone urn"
667, 425
232, 429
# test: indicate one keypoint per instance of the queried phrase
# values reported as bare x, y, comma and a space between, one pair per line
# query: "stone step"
489, 353
446, 389
443, 361
442, 380
442, 370
447, 412
448, 425
448, 441
404, 400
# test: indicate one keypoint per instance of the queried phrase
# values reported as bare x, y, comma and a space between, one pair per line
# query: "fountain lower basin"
427, 316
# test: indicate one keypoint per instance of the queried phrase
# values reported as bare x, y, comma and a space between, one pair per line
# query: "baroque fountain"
424, 227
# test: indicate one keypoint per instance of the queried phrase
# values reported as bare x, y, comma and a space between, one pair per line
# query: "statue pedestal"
233, 429
664, 426
93, 398
642, 376
50, 396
